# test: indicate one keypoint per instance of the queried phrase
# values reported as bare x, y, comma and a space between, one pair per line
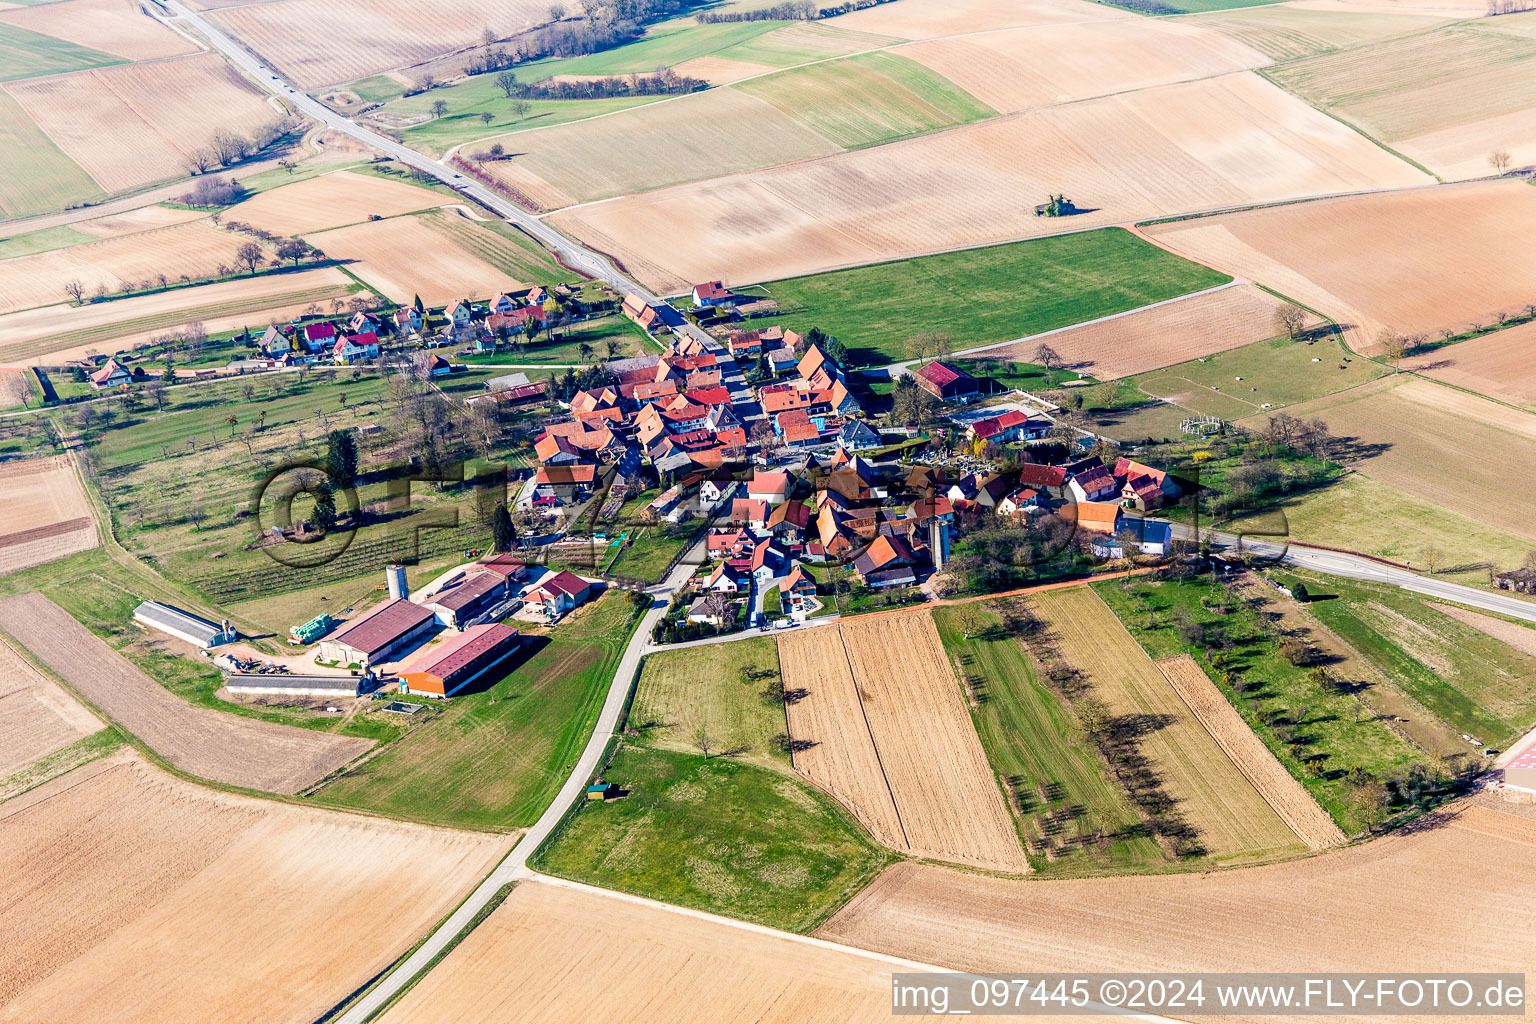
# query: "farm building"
377, 636
559, 593
946, 382
195, 631
467, 597
254, 685
1522, 770
445, 669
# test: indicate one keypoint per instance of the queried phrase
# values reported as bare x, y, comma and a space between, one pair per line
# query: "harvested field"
320, 42
1521, 638
1040, 66
36, 716
35, 175
48, 335
1156, 152
225, 748
929, 19
404, 256
1450, 83
720, 131
46, 514
1276, 785
1347, 910
39, 279
1287, 31
115, 26
843, 760
907, 739
146, 218
332, 201
1497, 365
1161, 336
1341, 256
126, 886
531, 960
721, 70
1415, 435
1231, 818
134, 124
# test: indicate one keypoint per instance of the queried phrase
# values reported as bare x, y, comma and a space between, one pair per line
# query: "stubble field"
1151, 339
132, 895
926, 754
1394, 904
133, 124
928, 19
320, 42
35, 175
1219, 142
1288, 31
36, 716
1231, 819
332, 201
1279, 789
1442, 445
404, 257
222, 747
47, 515
1497, 365
114, 26
1417, 261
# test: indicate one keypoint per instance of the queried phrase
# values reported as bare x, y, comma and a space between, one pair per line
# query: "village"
751, 444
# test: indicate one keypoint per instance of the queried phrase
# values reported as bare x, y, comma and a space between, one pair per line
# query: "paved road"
572, 252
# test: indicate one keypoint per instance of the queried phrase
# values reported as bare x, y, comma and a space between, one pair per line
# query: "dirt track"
131, 896
224, 748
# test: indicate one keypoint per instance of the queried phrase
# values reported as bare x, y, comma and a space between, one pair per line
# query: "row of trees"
225, 148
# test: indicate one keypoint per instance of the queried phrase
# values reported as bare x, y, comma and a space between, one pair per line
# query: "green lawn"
718, 835
28, 54
868, 99
719, 690
35, 175
495, 758
650, 549
378, 89
773, 603
1040, 751
984, 296
1295, 716
1474, 683
566, 349
1273, 373
463, 122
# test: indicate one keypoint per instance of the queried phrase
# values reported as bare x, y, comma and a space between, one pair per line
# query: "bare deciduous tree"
1499, 160
1292, 319
251, 254
75, 290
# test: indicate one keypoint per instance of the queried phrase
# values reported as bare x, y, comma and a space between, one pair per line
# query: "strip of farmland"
1231, 818
224, 748
36, 716
1276, 785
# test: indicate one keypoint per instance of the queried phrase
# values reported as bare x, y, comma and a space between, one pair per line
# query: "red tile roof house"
564, 484
724, 543
377, 636
1050, 480
1090, 480
884, 553
1012, 425
769, 487
727, 579
1143, 487
558, 594
446, 668
800, 582
749, 512
111, 375
642, 313
946, 382
710, 293
318, 336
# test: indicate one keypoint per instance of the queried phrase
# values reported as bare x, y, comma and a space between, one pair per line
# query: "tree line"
665, 82
796, 10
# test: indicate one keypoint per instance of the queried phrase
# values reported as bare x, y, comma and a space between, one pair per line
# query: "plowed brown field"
46, 514
1344, 257
1276, 785
403, 257
1232, 818
36, 716
114, 26
332, 201
133, 896
133, 124
1162, 336
1497, 365
889, 723
1225, 141
1458, 893
222, 747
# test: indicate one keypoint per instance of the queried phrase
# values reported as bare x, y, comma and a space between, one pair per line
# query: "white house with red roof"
355, 347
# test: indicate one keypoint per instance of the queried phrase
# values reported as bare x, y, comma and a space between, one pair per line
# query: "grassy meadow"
717, 690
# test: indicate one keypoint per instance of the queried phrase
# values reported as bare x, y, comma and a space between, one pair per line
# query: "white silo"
395, 577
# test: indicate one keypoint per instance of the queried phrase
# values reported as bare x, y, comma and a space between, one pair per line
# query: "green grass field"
566, 349
868, 99
495, 758
1037, 746
28, 54
463, 122
801, 42
1294, 716
718, 690
983, 296
1473, 682
46, 240
718, 835
35, 175
1274, 373
378, 89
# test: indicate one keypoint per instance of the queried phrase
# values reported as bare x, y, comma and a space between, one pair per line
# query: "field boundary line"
864, 715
